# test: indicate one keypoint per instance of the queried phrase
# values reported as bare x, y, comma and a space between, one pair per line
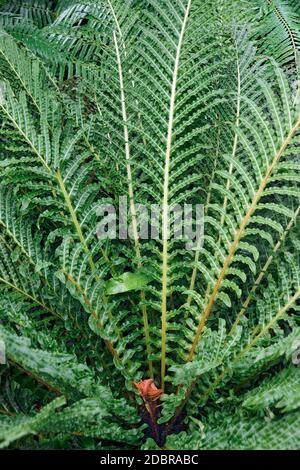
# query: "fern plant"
132, 341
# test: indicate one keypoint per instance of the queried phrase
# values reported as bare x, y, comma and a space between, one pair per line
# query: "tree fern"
162, 341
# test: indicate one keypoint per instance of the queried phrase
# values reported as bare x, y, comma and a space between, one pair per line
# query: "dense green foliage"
168, 102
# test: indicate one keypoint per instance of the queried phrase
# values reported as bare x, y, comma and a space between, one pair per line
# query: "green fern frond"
281, 391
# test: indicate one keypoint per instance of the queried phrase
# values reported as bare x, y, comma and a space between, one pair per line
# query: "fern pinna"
148, 342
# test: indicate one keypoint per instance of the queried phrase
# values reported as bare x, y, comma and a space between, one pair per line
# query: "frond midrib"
165, 217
